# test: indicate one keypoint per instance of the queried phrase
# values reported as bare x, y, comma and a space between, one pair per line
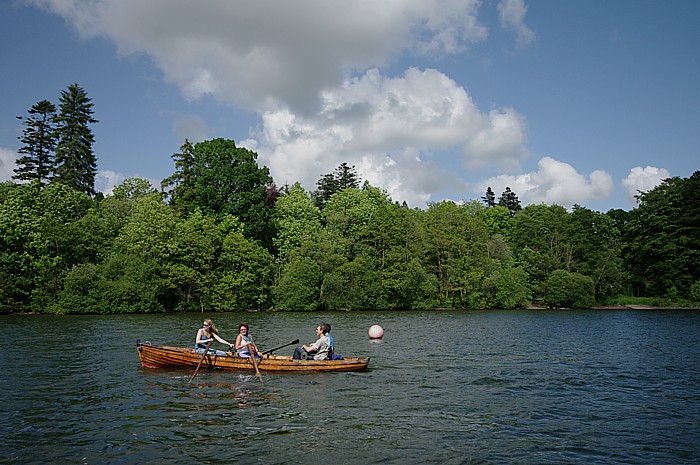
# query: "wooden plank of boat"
157, 356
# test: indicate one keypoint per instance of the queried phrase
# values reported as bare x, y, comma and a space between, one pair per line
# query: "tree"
245, 275
596, 250
457, 253
662, 237
228, 180
133, 189
509, 200
490, 198
39, 139
343, 177
300, 285
180, 185
296, 218
539, 238
75, 163
506, 288
569, 290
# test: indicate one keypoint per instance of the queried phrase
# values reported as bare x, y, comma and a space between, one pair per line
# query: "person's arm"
222, 340
312, 347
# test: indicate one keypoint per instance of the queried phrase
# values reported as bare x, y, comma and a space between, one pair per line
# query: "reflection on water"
443, 387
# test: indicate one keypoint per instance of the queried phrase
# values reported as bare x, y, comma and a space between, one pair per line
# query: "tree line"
219, 235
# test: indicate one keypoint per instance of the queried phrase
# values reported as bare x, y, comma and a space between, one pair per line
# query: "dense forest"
219, 235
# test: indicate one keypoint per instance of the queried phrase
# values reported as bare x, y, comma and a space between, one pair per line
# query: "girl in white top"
244, 343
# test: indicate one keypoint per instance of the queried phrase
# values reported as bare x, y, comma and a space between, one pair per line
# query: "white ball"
375, 332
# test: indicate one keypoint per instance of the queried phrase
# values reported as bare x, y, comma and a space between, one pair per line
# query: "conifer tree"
343, 177
509, 200
39, 139
490, 198
180, 185
75, 163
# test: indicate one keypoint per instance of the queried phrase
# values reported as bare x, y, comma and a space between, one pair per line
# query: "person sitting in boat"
244, 343
319, 350
205, 335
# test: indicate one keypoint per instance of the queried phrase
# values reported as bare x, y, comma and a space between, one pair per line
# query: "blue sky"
566, 102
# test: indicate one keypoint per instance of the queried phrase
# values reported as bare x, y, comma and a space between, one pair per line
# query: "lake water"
464, 387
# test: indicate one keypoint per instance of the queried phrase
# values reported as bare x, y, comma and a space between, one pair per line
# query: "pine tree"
346, 176
509, 200
343, 177
180, 186
490, 198
39, 139
75, 163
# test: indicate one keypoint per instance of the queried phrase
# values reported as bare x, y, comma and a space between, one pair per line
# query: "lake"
456, 387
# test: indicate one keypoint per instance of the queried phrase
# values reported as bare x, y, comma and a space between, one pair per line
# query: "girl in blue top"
206, 334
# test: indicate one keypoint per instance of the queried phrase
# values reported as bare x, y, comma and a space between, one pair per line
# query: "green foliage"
133, 189
540, 242
245, 275
506, 288
356, 284
149, 231
297, 219
180, 185
228, 181
662, 238
39, 141
596, 249
225, 240
300, 286
695, 291
510, 201
408, 284
456, 247
39, 242
343, 177
122, 284
75, 162
489, 198
569, 290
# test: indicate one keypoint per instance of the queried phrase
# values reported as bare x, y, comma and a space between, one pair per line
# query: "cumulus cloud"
390, 129
511, 13
107, 180
7, 164
314, 72
554, 182
643, 180
263, 54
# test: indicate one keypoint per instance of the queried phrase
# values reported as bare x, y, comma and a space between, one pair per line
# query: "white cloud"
263, 54
390, 129
554, 182
643, 180
7, 164
512, 16
107, 180
312, 70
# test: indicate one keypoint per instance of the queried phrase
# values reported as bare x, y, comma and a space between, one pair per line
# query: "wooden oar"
295, 341
206, 349
255, 363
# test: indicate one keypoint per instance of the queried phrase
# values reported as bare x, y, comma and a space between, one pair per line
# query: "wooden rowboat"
155, 356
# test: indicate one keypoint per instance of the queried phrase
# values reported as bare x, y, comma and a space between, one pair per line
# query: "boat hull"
156, 356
